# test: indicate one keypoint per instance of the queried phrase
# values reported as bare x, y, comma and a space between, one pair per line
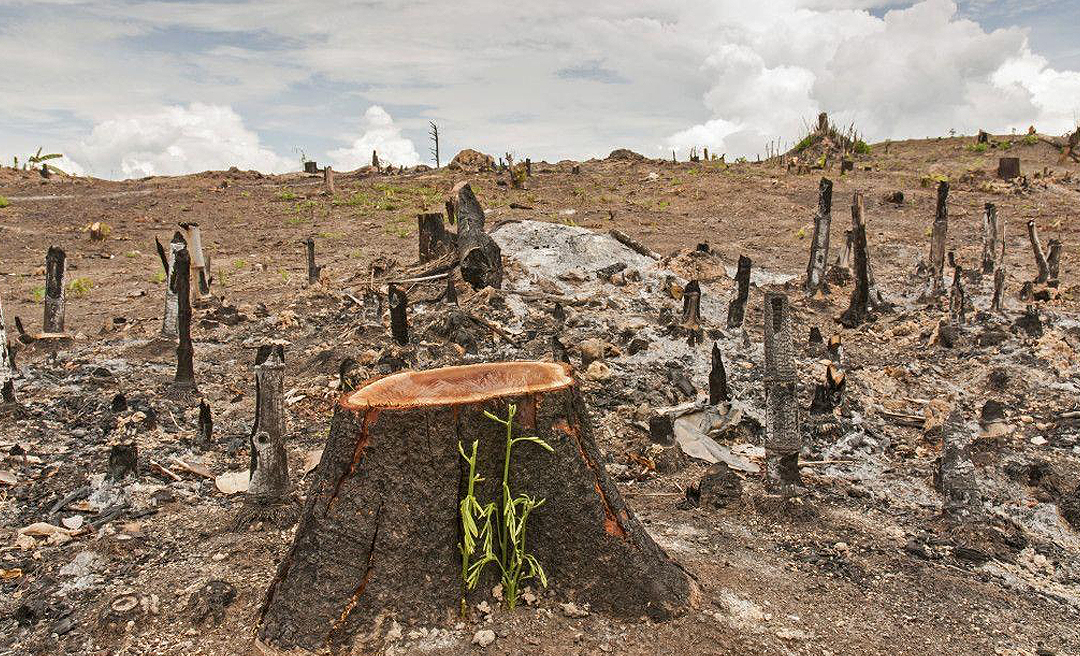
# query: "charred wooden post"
206, 426
180, 283
311, 167
198, 258
1040, 255
313, 270
982, 138
7, 364
1008, 168
718, 388
858, 309
168, 322
269, 463
999, 289
993, 236
737, 306
328, 180
829, 394
434, 240
782, 438
479, 256
528, 167
957, 296
858, 218
375, 160
819, 245
384, 506
55, 269
123, 461
955, 478
937, 241
691, 312
1053, 263
399, 317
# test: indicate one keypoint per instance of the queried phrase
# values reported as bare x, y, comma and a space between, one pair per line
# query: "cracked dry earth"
862, 563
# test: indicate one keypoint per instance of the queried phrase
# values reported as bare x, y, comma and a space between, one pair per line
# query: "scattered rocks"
484, 638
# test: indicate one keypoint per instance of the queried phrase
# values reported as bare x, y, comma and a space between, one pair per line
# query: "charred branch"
633, 244
718, 387
479, 256
737, 306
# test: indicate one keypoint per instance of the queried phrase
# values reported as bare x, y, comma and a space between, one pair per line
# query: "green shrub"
80, 287
978, 148
807, 141
861, 147
4, 202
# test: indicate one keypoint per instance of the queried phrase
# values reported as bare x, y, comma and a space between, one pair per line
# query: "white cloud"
173, 141
380, 135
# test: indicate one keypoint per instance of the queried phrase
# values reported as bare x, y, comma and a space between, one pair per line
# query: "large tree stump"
379, 537
55, 268
939, 232
737, 305
783, 441
434, 240
819, 245
1008, 168
169, 326
479, 256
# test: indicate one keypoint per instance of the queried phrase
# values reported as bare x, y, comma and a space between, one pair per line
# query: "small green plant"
1006, 145
284, 274
287, 195
801, 234
38, 294
861, 147
158, 277
514, 560
1031, 139
80, 287
132, 254
295, 220
662, 204
978, 148
806, 142
4, 202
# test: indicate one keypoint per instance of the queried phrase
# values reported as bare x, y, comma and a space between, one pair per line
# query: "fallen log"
381, 534
479, 256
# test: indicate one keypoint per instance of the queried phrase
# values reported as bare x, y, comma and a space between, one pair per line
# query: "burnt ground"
862, 563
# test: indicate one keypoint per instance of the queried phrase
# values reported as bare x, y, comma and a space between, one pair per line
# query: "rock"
592, 349
626, 154
598, 371
573, 611
484, 637
471, 160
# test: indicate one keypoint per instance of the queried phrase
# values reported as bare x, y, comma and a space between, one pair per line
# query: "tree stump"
819, 245
1008, 168
7, 365
55, 268
737, 306
479, 256
379, 538
939, 232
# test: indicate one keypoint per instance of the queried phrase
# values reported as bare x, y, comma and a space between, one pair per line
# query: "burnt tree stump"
313, 270
55, 268
1040, 254
180, 283
168, 323
7, 365
783, 440
479, 256
1008, 168
938, 234
434, 240
993, 240
737, 306
379, 536
819, 245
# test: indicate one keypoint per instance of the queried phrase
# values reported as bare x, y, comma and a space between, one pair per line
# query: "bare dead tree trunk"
691, 313
718, 388
7, 368
198, 258
1053, 263
737, 306
399, 318
1040, 255
269, 463
999, 288
55, 269
819, 245
992, 236
937, 240
782, 438
479, 256
180, 282
313, 270
858, 219
857, 311
434, 240
328, 180
172, 308
375, 160
957, 296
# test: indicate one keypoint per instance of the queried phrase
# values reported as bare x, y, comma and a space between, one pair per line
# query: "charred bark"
955, 478
829, 394
450, 295
313, 270
55, 269
858, 218
123, 461
993, 236
718, 388
858, 309
434, 240
269, 464
1053, 263
180, 283
782, 438
479, 256
1040, 255
691, 313
957, 296
1008, 168
7, 364
172, 308
399, 314
380, 532
819, 245
206, 426
737, 306
197, 256
939, 232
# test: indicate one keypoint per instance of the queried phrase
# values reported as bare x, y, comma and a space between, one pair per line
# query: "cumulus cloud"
380, 135
174, 141
915, 72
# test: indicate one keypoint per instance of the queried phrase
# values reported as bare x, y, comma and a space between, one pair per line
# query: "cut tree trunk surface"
379, 537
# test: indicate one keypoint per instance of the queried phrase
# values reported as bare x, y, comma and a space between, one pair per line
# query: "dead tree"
434, 134
1053, 262
328, 180
198, 257
7, 365
434, 240
384, 507
936, 285
313, 270
858, 308
180, 283
55, 269
269, 463
479, 256
168, 323
858, 218
399, 314
1040, 255
782, 438
993, 237
957, 296
737, 306
691, 313
718, 388
375, 160
819, 245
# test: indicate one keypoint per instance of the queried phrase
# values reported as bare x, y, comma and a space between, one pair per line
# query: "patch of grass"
662, 204
158, 277
287, 195
801, 234
239, 264
932, 180
860, 147
132, 254
37, 294
284, 274
4, 202
80, 287
295, 220
806, 142
1031, 140
1006, 145
978, 148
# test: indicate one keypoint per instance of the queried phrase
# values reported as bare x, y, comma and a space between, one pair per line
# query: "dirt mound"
626, 154
472, 160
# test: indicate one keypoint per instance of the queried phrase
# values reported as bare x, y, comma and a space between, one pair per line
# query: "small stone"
484, 637
73, 523
598, 371
573, 611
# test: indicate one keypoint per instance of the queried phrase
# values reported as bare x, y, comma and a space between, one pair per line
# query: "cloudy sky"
126, 88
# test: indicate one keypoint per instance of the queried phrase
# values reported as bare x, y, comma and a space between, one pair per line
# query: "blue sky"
129, 87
